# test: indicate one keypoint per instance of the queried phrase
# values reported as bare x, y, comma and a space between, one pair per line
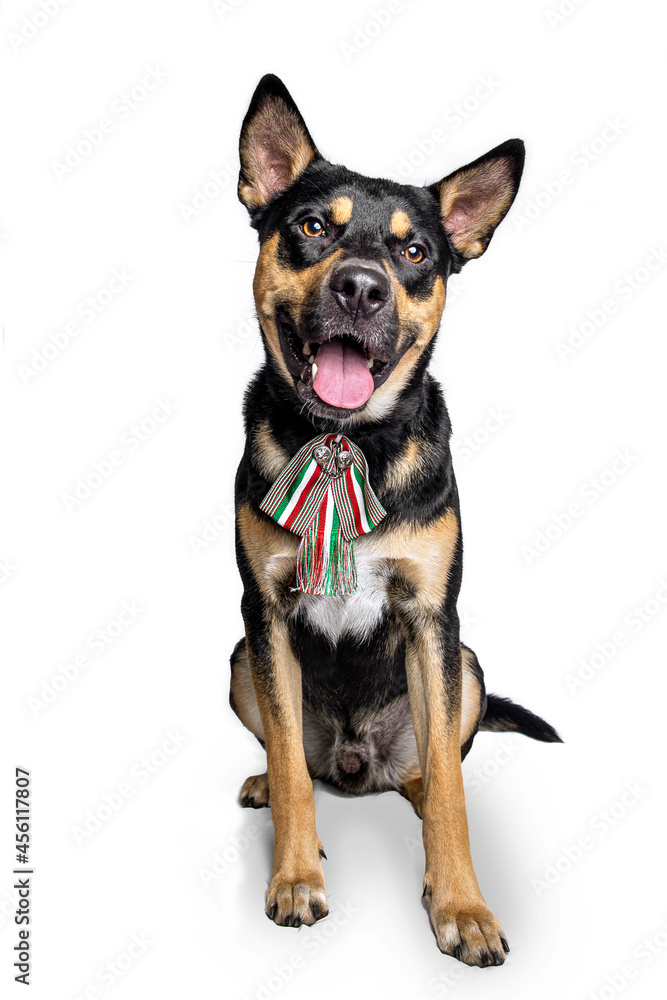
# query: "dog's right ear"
275, 146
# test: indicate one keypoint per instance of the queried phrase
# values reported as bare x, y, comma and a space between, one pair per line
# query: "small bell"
322, 454
344, 460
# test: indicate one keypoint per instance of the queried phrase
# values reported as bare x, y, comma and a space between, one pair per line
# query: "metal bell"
322, 454
344, 459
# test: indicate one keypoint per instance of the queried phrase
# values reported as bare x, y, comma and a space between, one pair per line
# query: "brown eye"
414, 254
313, 227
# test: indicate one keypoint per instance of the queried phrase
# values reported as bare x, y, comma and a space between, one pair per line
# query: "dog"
369, 687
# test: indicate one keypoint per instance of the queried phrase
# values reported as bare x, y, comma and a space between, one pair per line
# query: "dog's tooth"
371, 361
305, 349
311, 359
314, 371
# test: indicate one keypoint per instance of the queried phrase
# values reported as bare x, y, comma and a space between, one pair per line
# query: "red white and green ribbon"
329, 503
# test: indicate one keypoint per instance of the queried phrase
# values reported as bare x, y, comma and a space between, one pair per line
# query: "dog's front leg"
296, 893
464, 925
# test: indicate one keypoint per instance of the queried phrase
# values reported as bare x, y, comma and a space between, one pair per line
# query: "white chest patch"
354, 616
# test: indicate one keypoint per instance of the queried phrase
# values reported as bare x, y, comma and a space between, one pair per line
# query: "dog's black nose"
360, 289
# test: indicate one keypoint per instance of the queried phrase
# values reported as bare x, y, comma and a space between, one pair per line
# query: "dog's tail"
504, 716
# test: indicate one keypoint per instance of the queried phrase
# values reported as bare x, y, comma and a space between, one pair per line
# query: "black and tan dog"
373, 691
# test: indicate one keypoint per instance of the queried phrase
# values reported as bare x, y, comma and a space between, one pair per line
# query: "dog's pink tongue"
343, 377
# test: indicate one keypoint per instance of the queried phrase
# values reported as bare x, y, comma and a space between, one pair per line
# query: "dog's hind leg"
413, 790
255, 790
242, 696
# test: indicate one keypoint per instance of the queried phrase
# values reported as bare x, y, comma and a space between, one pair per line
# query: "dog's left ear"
275, 146
476, 198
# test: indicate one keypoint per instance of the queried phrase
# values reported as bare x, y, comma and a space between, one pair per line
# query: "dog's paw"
293, 901
255, 791
469, 933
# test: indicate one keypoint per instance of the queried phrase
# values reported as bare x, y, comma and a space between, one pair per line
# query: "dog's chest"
357, 615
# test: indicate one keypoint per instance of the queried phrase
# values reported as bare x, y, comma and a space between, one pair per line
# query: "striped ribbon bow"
324, 496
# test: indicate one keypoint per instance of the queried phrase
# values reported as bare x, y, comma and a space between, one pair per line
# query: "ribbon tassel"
325, 561
324, 496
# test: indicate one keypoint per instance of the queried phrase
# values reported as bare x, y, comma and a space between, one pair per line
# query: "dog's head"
351, 276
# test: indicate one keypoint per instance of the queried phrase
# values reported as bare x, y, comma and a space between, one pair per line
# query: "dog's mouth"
341, 370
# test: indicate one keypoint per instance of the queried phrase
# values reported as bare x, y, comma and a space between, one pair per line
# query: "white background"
181, 331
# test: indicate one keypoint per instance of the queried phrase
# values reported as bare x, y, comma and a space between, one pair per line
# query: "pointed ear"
474, 199
275, 146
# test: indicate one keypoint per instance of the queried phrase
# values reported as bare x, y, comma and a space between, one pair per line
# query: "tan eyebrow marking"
401, 226
340, 210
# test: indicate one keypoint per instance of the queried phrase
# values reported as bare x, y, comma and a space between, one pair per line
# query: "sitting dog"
348, 534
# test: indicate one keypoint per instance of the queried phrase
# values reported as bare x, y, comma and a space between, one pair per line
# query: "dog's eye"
414, 254
313, 227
